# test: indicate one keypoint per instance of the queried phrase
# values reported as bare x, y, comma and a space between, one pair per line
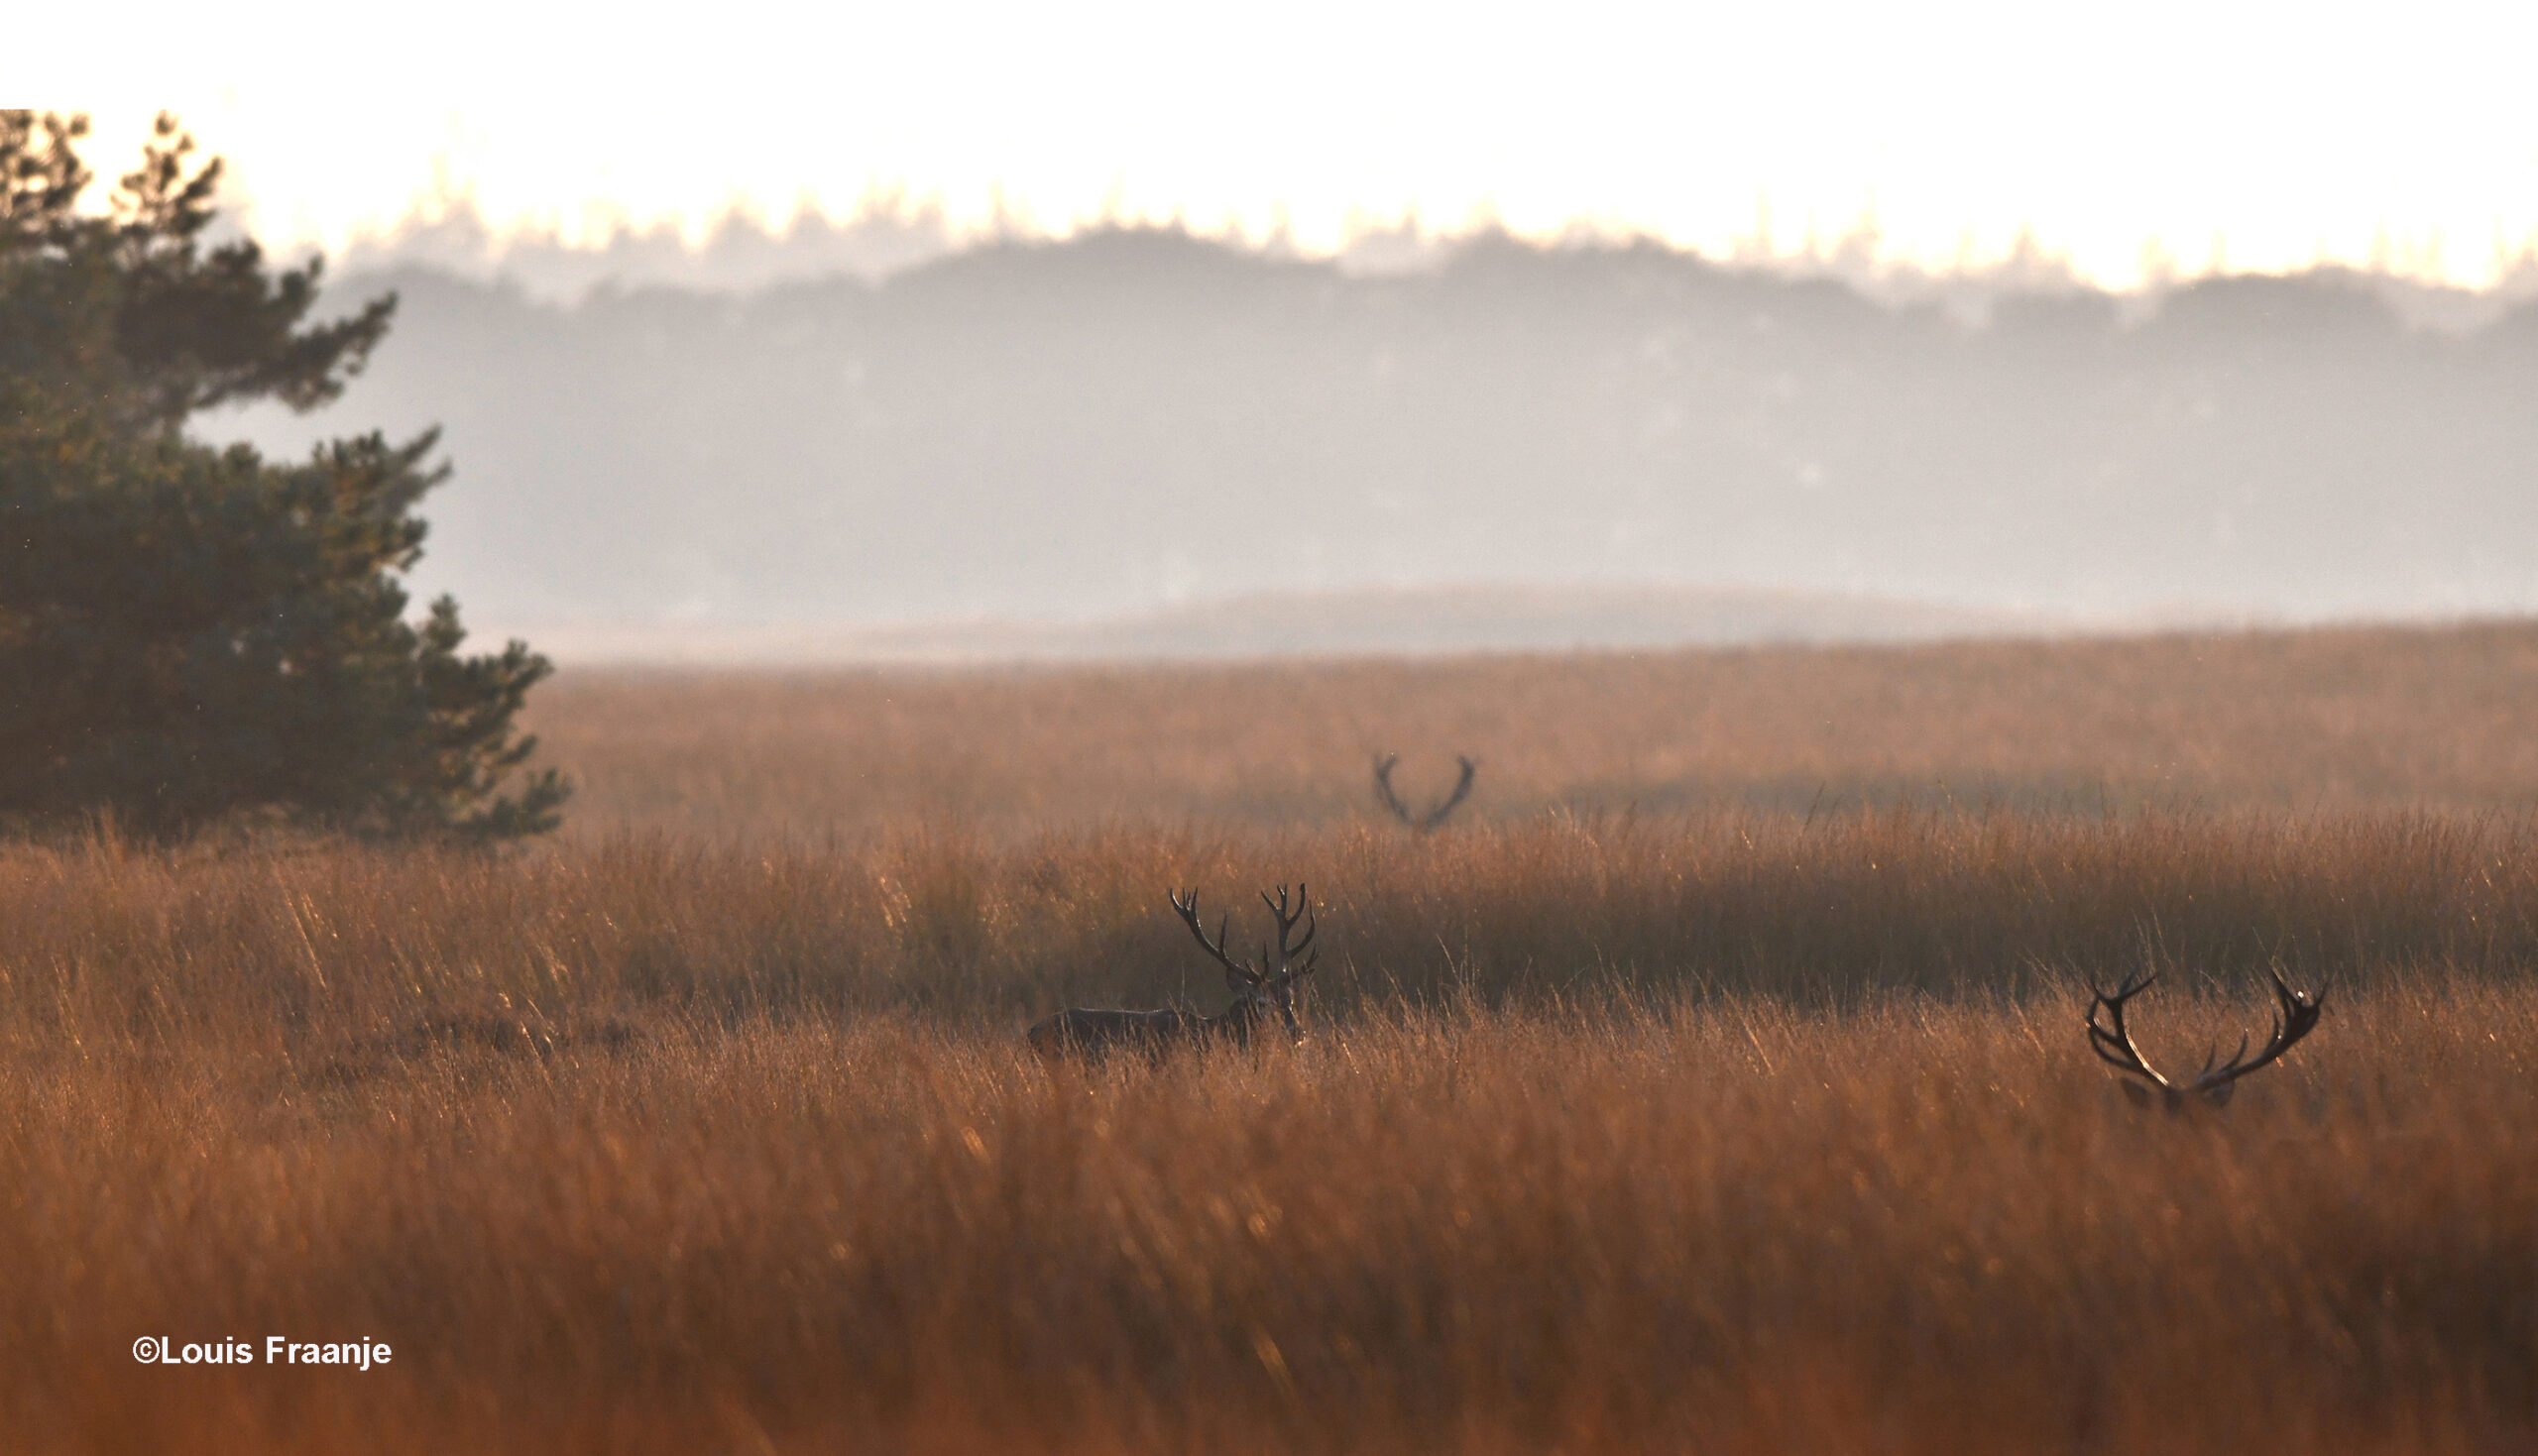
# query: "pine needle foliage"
192, 636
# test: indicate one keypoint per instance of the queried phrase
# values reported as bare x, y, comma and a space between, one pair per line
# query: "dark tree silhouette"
189, 634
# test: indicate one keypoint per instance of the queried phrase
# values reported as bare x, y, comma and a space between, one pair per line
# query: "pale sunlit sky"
2126, 137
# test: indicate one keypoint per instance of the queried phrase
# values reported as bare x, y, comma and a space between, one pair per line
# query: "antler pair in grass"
2113, 1042
1425, 821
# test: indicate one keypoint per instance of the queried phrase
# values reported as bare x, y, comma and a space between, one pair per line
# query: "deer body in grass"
2296, 1017
1263, 993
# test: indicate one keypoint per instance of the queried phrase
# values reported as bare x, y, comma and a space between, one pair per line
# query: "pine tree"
191, 635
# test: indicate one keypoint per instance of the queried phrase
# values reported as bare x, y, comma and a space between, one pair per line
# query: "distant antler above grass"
1430, 818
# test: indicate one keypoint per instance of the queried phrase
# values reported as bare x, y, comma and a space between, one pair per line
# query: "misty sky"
2133, 138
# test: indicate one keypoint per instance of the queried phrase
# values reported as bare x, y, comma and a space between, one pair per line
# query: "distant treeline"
1045, 429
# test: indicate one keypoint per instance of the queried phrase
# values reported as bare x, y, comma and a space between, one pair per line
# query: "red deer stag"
1259, 995
1422, 823
2114, 1044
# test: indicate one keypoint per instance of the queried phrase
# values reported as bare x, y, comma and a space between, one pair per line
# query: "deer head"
2297, 1017
1261, 993
1430, 818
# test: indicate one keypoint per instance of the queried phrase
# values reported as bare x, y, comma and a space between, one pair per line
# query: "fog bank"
1051, 431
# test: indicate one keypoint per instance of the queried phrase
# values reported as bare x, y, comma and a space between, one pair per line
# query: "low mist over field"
1037, 431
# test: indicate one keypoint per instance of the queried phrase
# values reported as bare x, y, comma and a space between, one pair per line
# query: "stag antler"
2113, 1042
1286, 918
1238, 973
1422, 823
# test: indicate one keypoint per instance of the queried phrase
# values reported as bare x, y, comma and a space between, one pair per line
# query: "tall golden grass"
2290, 721
1722, 1227
111, 941
1723, 1123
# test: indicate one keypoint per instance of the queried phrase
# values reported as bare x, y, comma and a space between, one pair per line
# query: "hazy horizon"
740, 249
1043, 432
904, 318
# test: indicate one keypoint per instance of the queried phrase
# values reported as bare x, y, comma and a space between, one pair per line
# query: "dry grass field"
2375, 717
1717, 1086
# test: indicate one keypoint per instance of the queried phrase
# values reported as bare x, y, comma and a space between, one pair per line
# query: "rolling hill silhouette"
1059, 430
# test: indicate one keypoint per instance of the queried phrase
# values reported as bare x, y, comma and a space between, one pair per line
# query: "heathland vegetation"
1713, 1080
2282, 722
